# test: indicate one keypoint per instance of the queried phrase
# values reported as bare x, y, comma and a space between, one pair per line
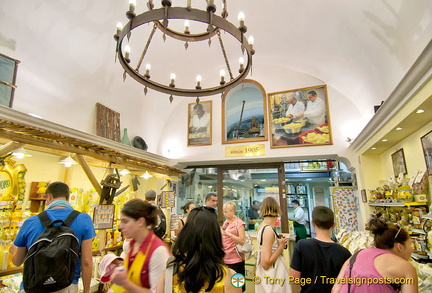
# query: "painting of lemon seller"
199, 125
299, 117
243, 113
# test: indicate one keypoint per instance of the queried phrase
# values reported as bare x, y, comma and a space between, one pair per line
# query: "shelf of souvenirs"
397, 204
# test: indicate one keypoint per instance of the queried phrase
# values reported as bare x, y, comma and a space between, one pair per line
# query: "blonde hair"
230, 205
270, 207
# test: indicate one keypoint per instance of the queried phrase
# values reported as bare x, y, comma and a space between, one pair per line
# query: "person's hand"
300, 115
290, 115
119, 276
282, 240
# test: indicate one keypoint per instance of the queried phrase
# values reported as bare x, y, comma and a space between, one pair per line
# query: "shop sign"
12, 183
253, 150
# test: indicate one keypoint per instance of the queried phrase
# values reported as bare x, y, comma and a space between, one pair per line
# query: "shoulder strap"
72, 216
262, 233
351, 264
45, 220
169, 274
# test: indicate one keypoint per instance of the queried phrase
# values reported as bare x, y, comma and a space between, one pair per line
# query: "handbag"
278, 270
247, 246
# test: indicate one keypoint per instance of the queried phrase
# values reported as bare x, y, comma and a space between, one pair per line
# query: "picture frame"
426, 142
8, 75
103, 217
299, 117
199, 131
399, 164
244, 111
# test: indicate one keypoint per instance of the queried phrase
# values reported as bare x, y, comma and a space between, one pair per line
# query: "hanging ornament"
145, 91
197, 100
171, 99
124, 76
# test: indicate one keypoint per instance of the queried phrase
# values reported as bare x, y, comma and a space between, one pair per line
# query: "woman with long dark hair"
198, 257
385, 267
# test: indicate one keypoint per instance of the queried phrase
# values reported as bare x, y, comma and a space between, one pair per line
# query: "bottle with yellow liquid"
95, 244
109, 240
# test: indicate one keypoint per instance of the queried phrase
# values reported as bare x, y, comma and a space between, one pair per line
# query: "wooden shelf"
115, 247
397, 204
11, 271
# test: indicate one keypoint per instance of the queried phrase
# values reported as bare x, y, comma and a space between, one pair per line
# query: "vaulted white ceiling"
361, 49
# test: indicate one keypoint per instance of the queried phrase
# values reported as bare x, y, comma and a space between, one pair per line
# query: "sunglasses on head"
400, 228
204, 207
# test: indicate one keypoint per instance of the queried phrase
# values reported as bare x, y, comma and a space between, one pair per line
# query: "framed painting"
299, 117
398, 161
426, 142
8, 74
199, 124
244, 113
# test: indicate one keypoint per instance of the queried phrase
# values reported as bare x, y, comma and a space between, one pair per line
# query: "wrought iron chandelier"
164, 21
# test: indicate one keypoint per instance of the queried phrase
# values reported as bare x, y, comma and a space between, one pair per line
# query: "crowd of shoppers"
205, 256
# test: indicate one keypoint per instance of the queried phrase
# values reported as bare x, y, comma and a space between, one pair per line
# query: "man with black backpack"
55, 246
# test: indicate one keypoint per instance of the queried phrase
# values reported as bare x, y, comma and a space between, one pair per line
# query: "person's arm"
268, 257
179, 225
18, 255
161, 284
228, 287
86, 264
296, 276
240, 239
157, 266
410, 279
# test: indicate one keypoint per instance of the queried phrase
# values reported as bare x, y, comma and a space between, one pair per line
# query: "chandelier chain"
225, 55
146, 47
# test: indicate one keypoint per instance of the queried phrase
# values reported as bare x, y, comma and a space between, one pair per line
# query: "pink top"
364, 271
231, 255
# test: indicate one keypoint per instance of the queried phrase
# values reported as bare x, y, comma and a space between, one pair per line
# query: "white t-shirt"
300, 215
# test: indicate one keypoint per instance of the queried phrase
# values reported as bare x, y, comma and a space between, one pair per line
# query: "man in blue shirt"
57, 196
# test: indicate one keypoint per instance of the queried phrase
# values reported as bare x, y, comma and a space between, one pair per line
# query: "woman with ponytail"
383, 268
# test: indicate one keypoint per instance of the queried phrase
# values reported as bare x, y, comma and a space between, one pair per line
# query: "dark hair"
295, 201
186, 206
387, 234
313, 93
255, 202
137, 208
150, 195
199, 251
323, 217
58, 189
270, 207
208, 196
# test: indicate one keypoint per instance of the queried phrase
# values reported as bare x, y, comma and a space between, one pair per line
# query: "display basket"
303, 135
292, 128
323, 128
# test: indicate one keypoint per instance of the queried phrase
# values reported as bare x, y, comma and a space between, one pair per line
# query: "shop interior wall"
375, 169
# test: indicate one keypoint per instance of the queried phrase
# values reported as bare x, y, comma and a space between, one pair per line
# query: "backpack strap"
351, 264
72, 216
45, 220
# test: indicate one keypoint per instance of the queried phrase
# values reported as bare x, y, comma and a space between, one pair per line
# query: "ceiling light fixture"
164, 20
146, 175
419, 111
21, 153
373, 148
124, 172
385, 139
398, 128
68, 161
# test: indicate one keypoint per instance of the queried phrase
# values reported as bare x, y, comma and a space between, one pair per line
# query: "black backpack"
51, 260
160, 229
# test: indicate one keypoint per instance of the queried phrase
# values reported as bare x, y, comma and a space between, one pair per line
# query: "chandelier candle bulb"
251, 42
198, 80
119, 28
241, 62
222, 76
186, 25
147, 72
131, 12
127, 53
173, 77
